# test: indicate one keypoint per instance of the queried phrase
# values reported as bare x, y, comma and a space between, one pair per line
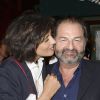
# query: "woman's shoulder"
7, 63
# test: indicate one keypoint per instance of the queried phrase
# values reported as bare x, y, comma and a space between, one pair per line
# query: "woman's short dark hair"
25, 34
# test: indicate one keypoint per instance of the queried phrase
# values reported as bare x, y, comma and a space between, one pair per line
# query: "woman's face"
46, 48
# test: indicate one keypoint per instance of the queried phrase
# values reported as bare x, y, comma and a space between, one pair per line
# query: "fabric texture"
14, 84
89, 84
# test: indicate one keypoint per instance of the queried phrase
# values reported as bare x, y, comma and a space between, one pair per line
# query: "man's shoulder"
91, 64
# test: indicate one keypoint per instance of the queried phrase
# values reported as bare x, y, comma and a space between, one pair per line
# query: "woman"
29, 39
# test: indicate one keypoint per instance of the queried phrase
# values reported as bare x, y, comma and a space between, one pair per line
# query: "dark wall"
9, 9
69, 7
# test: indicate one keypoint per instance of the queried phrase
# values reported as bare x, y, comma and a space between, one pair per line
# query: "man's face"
70, 43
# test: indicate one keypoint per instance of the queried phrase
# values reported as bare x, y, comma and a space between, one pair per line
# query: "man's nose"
70, 45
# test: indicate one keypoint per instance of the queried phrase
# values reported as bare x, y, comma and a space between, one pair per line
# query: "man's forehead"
64, 23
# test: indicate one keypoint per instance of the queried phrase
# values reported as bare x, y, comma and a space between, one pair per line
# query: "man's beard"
65, 56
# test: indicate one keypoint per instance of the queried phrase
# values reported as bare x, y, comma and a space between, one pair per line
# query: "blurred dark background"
9, 9
70, 7
88, 9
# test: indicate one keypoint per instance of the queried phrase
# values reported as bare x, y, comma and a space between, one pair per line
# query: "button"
65, 96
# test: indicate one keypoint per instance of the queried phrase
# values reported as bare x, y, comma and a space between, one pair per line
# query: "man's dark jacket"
89, 85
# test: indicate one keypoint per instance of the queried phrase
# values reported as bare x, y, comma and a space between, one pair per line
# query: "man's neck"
67, 72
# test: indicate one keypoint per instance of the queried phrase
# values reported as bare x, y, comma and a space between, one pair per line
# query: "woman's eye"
46, 40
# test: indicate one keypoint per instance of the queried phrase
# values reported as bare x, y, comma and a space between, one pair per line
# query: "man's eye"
63, 39
78, 39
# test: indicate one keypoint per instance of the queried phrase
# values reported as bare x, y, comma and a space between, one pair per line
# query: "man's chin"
70, 61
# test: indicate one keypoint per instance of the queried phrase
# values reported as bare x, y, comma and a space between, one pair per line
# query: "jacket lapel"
30, 79
44, 71
85, 78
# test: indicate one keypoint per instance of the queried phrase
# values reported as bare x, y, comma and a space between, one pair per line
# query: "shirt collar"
32, 65
56, 71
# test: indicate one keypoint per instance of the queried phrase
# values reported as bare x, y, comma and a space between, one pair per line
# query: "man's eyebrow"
70, 38
78, 37
61, 37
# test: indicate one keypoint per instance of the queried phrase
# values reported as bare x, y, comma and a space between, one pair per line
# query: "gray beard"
63, 58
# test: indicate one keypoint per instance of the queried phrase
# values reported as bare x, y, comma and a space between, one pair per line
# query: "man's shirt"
70, 92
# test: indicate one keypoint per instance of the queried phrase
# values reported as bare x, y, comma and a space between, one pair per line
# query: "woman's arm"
51, 85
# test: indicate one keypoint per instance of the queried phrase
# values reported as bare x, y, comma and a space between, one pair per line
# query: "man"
79, 78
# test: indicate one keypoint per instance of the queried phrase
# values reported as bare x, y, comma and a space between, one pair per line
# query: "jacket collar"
85, 78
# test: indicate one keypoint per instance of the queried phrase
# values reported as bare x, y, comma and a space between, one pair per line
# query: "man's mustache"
68, 50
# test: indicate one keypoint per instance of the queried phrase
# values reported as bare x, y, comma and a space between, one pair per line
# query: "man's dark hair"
73, 20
